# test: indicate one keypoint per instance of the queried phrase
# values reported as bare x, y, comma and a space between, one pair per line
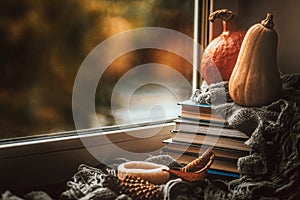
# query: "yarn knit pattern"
272, 170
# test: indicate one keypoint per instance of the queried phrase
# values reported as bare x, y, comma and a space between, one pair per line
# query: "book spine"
171, 143
234, 155
208, 140
217, 164
217, 157
222, 132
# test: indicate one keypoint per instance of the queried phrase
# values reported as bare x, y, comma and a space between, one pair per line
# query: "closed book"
207, 128
193, 149
200, 122
191, 106
202, 117
204, 112
218, 141
223, 174
217, 164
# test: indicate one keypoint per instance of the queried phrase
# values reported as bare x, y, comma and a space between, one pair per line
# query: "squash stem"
230, 23
268, 22
223, 14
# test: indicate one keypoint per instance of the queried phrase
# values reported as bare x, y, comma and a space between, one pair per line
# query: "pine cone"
135, 187
140, 189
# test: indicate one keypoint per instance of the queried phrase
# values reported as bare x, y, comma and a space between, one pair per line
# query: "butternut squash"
255, 80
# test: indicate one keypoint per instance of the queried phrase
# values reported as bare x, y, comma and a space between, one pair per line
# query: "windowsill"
73, 136
49, 160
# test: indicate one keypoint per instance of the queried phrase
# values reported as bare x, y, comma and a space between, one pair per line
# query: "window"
44, 43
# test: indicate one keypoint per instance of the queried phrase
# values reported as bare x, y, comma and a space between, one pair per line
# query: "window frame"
196, 81
30, 162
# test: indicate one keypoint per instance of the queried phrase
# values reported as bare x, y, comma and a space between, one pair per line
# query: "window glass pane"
44, 42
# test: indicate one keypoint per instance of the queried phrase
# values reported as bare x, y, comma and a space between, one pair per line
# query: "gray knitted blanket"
272, 170
102, 183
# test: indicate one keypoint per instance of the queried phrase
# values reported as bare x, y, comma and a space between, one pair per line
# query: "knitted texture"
87, 184
93, 183
272, 170
35, 195
176, 189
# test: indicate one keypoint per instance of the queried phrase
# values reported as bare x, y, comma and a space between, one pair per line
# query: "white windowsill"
52, 160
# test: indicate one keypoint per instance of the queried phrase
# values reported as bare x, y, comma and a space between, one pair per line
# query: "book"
189, 105
224, 163
199, 122
202, 116
193, 149
212, 140
221, 165
202, 112
200, 127
207, 128
222, 174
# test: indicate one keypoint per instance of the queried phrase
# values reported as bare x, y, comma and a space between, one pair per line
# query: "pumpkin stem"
228, 17
223, 14
268, 22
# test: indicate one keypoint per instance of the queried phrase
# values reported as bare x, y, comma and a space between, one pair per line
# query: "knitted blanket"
102, 183
272, 170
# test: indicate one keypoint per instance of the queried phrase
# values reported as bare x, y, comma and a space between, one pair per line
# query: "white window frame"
51, 159
32, 163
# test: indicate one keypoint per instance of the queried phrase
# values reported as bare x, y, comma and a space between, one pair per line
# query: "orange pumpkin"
219, 57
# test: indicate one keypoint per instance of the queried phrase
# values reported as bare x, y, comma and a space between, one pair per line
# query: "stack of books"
198, 128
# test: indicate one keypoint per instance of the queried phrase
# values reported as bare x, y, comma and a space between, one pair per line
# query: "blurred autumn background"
44, 42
